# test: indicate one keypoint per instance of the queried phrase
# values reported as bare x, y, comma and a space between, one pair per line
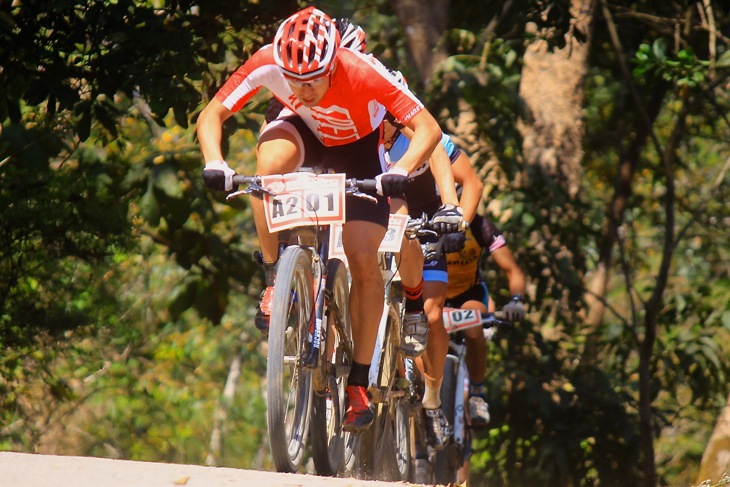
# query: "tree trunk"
220, 416
716, 459
423, 23
552, 128
552, 90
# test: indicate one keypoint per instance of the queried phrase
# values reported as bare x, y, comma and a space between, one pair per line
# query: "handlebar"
363, 188
457, 319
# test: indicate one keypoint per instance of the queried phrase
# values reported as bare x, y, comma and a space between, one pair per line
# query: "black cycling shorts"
477, 292
359, 159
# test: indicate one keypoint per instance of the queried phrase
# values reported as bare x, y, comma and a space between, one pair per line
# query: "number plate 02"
460, 319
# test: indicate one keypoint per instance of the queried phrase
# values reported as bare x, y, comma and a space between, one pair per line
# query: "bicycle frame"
305, 368
389, 275
457, 353
455, 321
319, 249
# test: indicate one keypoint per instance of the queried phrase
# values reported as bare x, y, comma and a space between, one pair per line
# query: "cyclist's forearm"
426, 134
517, 284
505, 260
471, 194
210, 130
444, 176
472, 186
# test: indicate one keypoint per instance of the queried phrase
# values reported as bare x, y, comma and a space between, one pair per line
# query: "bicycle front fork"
310, 353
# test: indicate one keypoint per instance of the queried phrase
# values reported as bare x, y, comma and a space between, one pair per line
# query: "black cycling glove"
447, 219
392, 183
453, 242
218, 176
515, 309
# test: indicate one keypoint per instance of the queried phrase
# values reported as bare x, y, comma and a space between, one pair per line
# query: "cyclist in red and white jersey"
335, 100
351, 37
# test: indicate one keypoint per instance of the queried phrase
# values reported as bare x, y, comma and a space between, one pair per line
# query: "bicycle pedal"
377, 395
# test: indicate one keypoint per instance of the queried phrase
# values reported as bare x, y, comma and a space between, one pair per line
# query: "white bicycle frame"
462, 375
389, 276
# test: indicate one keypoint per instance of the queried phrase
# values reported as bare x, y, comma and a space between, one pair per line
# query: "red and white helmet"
351, 35
305, 44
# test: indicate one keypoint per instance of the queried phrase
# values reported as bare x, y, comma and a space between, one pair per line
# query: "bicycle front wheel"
328, 440
289, 383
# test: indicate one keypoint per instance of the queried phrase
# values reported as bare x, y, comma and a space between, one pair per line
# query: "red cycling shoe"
358, 415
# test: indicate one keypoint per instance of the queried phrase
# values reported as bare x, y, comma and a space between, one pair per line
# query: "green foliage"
550, 17
61, 223
59, 62
554, 420
126, 287
552, 424
484, 73
686, 69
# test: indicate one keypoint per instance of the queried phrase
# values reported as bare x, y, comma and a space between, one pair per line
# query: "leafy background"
127, 289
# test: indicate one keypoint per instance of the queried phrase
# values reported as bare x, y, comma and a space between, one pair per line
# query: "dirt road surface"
28, 470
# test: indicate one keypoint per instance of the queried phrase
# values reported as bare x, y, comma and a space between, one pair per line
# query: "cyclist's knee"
278, 155
433, 310
363, 262
361, 240
474, 333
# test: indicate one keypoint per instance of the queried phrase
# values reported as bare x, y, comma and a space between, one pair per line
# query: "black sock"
476, 389
414, 298
359, 375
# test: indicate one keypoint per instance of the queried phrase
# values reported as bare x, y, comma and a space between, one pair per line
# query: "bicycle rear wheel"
289, 383
328, 439
447, 463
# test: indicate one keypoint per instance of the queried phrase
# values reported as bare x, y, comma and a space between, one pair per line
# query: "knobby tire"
445, 468
289, 389
328, 408
385, 446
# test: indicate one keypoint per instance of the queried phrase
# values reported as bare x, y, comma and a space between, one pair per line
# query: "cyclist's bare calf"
438, 342
476, 345
361, 240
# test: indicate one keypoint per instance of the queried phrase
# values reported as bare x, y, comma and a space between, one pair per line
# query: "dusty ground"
27, 470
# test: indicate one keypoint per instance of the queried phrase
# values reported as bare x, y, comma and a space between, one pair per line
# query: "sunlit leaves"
684, 69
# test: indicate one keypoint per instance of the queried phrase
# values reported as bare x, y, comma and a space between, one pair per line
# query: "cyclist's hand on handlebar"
515, 309
454, 242
447, 219
392, 183
218, 176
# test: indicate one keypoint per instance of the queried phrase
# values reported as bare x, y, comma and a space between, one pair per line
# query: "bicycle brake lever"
235, 193
252, 188
360, 194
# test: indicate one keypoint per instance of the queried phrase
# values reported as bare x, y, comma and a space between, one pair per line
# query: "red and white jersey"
361, 89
